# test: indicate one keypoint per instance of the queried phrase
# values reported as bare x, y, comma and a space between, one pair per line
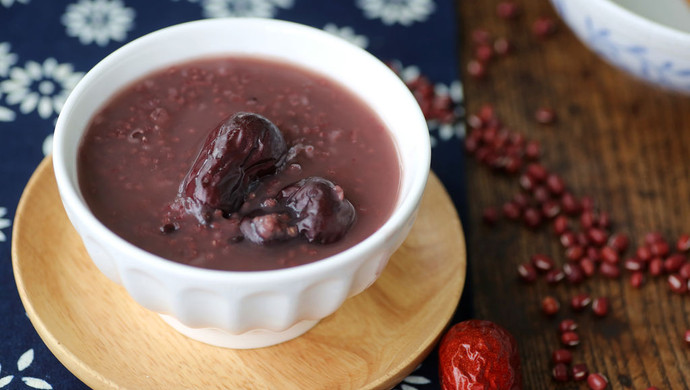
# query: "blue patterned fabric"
46, 46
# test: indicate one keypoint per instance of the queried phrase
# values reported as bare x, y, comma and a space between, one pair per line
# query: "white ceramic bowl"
245, 309
648, 39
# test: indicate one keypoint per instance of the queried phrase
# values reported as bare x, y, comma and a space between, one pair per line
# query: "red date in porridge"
239, 164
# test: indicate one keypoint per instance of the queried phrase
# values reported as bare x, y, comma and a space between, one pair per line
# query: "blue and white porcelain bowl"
648, 39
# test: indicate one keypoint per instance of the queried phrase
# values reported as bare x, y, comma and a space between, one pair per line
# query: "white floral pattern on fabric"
47, 146
7, 59
410, 380
98, 21
4, 223
23, 363
405, 12
9, 3
41, 87
243, 8
348, 34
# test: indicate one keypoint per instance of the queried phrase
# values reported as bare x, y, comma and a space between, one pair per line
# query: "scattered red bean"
637, 279
550, 305
683, 243
643, 253
580, 301
597, 381
687, 337
656, 266
570, 339
609, 255
609, 270
588, 266
542, 262
573, 273
511, 211
507, 10
570, 204
633, 265
600, 306
554, 276
480, 36
653, 237
684, 271
568, 239
567, 325
544, 27
532, 150
574, 253
476, 69
677, 284
537, 172
560, 372
619, 242
484, 53
659, 248
562, 356
527, 272
674, 262
555, 184
579, 372
502, 46
598, 236
560, 225
545, 115
532, 218
490, 215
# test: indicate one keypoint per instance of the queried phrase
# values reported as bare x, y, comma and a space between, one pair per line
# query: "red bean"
580, 301
574, 253
652, 237
597, 381
484, 53
609, 270
587, 219
545, 115
588, 266
570, 339
507, 10
560, 372
643, 253
683, 243
687, 337
560, 225
532, 218
568, 239
551, 208
637, 279
570, 205
579, 372
609, 255
555, 184
684, 271
527, 272
511, 211
542, 262
674, 262
619, 242
541, 194
677, 284
476, 69
490, 215
587, 203
550, 306
480, 36
593, 253
562, 356
543, 27
502, 46
632, 265
537, 172
573, 273
567, 325
554, 276
604, 220
656, 266
659, 248
521, 199
597, 236
527, 182
600, 306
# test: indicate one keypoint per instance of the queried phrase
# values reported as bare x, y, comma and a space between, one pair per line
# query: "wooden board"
622, 142
110, 342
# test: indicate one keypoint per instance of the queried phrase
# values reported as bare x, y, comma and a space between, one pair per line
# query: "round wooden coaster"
110, 342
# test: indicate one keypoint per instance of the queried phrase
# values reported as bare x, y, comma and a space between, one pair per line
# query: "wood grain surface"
618, 140
107, 340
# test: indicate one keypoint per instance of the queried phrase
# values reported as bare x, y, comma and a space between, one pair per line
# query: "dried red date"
479, 354
240, 150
